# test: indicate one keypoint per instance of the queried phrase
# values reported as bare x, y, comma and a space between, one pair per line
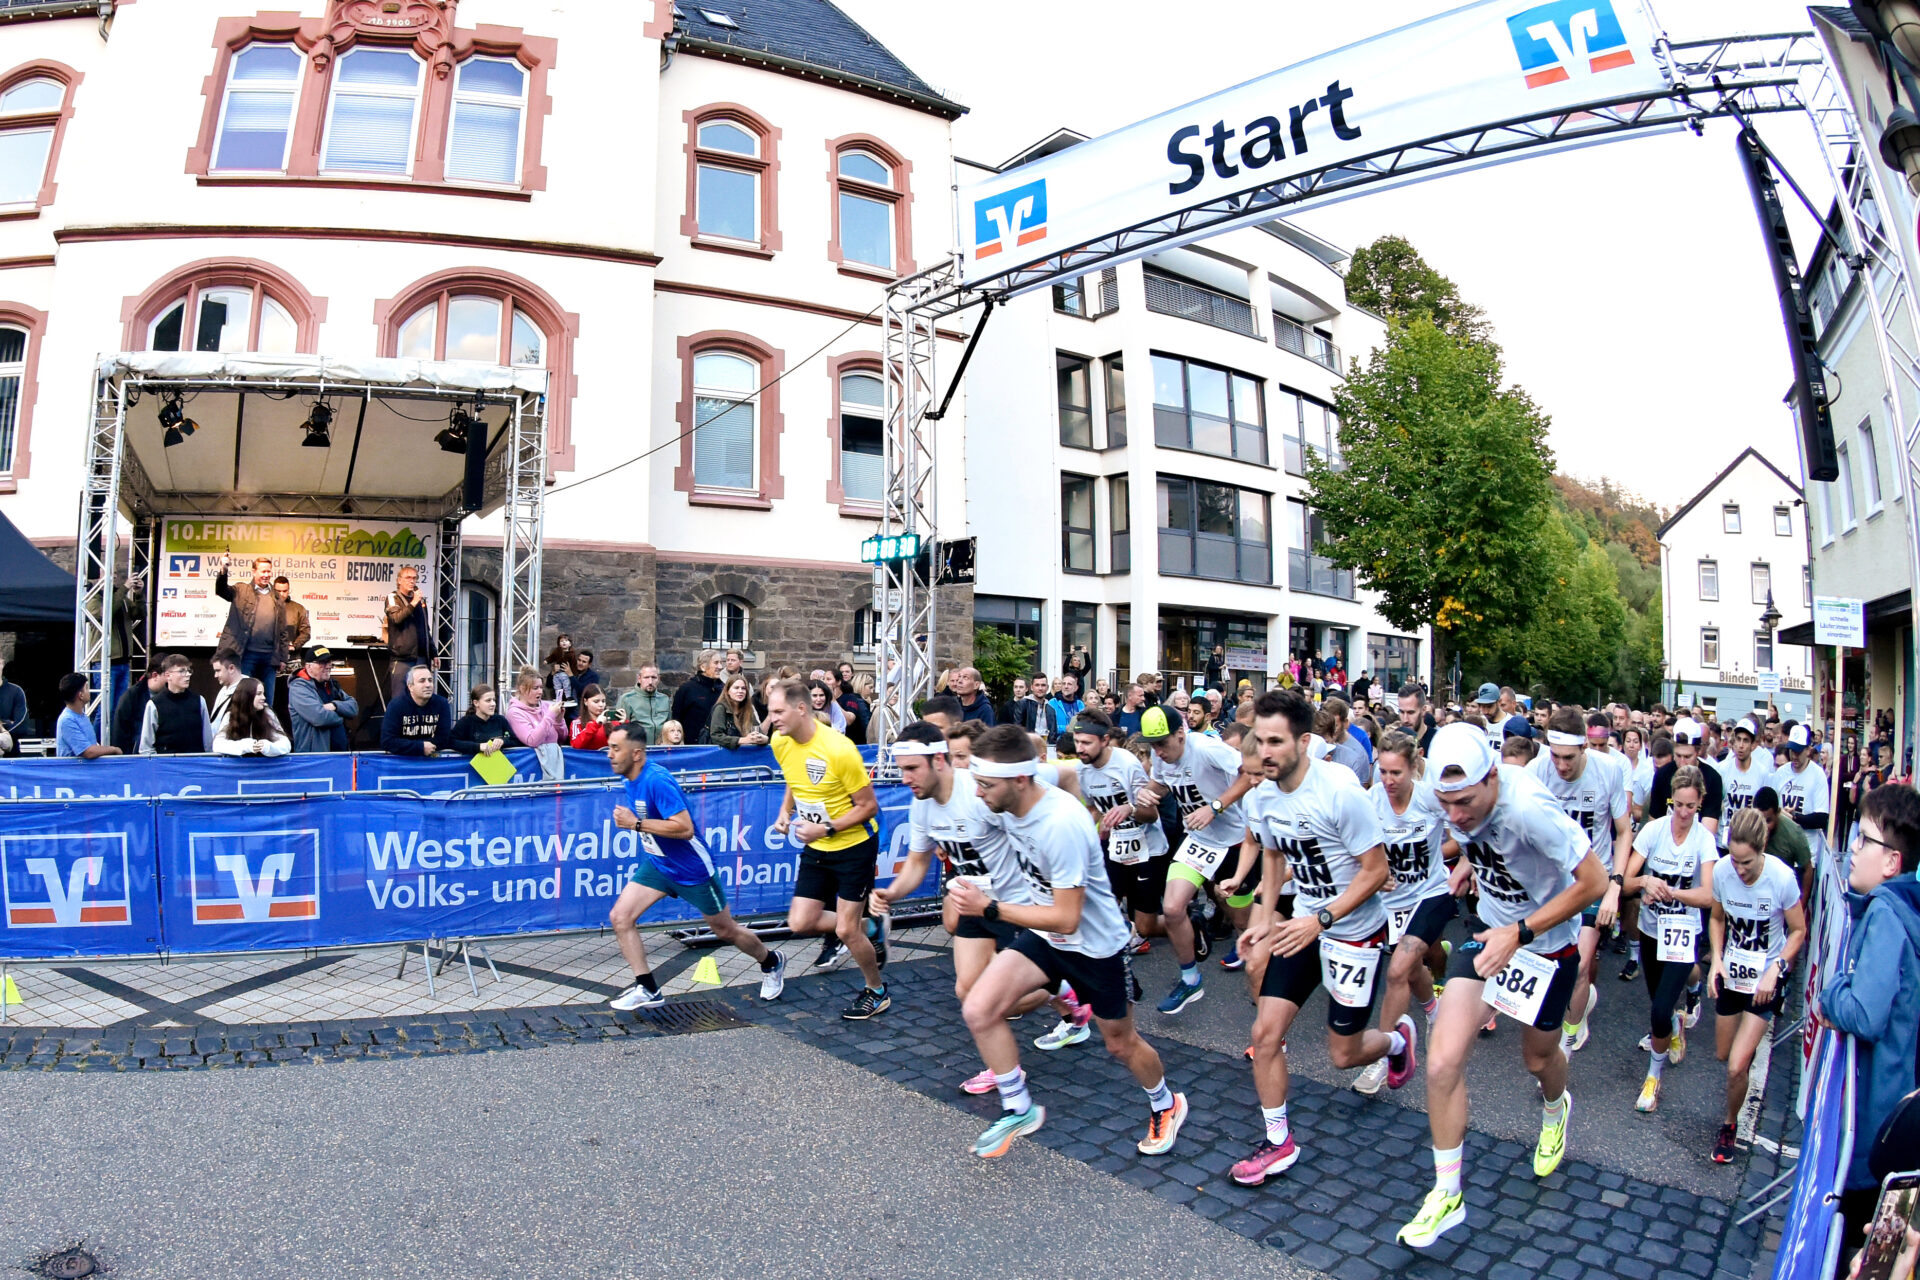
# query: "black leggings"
1665, 982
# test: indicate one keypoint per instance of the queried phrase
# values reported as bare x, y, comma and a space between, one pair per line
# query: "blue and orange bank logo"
1566, 38
65, 881
255, 877
1009, 219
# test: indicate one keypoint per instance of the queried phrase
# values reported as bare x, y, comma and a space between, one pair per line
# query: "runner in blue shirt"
673, 864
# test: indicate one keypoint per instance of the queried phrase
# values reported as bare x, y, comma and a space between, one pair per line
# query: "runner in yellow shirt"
830, 807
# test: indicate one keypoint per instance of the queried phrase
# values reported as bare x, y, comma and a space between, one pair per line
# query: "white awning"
450, 375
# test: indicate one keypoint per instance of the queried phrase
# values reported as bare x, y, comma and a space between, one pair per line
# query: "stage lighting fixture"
319, 419
453, 436
175, 424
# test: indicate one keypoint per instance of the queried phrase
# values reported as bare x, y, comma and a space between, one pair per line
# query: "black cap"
318, 653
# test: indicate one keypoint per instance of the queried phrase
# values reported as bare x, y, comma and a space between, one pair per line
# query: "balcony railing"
1291, 335
1316, 575
1171, 296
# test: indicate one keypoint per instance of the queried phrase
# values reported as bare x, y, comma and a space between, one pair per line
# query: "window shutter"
723, 444
485, 144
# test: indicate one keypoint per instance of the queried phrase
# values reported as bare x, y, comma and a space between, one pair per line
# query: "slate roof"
809, 38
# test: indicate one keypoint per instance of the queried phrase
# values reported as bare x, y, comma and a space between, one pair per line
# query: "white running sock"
1446, 1169
1556, 1110
1657, 1064
1013, 1091
1276, 1118
1159, 1097
1396, 1043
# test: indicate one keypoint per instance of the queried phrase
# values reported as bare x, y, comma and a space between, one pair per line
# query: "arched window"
871, 203
13, 377
493, 318
256, 116
724, 623
483, 141
225, 305
35, 103
725, 398
866, 629
862, 406
731, 171
370, 120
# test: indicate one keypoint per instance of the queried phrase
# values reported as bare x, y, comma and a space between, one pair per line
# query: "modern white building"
1157, 415
1736, 545
683, 213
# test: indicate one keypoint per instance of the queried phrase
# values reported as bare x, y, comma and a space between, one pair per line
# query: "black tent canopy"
33, 589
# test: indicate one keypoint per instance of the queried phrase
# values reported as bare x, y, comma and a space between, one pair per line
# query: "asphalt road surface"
739, 1153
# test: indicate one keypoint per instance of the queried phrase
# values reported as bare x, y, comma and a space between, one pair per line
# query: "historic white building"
1157, 415
1738, 543
669, 208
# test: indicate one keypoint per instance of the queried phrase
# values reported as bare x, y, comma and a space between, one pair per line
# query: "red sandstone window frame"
263, 279
432, 128
771, 363
899, 196
868, 362
20, 316
557, 325
42, 69
765, 167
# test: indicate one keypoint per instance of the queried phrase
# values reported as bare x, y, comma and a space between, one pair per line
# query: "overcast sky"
1628, 282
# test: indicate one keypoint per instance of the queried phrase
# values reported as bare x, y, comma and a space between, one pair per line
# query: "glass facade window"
1073, 376
862, 402
1077, 622
1308, 428
1308, 569
1116, 386
1208, 409
1013, 615
1210, 530
1120, 555
1076, 523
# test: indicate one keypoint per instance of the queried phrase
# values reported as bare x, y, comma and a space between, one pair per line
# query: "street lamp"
1770, 619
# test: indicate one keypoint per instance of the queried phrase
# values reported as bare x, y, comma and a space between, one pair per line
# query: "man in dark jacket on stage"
256, 623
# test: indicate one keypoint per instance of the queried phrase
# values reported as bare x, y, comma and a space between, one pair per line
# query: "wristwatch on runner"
991, 911
1325, 917
1216, 806
1526, 934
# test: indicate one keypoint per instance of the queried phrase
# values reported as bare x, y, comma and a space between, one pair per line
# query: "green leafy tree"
1391, 279
1571, 643
1000, 659
1444, 489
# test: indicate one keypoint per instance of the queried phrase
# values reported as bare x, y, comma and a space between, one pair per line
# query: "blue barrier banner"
129, 777
1811, 1233
78, 879
333, 870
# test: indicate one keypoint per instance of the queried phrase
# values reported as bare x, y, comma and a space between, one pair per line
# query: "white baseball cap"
1747, 726
1688, 730
1799, 737
1459, 746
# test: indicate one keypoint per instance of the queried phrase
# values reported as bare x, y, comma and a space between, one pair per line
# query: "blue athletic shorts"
709, 899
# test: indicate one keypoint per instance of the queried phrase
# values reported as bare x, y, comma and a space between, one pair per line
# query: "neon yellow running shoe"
1553, 1138
1441, 1212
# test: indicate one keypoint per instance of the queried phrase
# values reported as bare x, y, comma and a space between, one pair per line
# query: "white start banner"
341, 571
1479, 64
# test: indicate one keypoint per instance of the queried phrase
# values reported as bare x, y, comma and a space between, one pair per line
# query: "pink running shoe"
1401, 1066
1266, 1162
979, 1084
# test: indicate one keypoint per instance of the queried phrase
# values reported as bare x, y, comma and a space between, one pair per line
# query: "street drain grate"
67, 1264
689, 1017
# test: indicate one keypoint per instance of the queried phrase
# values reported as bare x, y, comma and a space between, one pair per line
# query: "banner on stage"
340, 570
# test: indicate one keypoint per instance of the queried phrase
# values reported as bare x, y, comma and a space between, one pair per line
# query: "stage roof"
251, 410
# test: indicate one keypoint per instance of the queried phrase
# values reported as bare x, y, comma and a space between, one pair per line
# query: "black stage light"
453, 436
319, 419
176, 425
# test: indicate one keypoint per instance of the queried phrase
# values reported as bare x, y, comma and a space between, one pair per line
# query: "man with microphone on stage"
409, 641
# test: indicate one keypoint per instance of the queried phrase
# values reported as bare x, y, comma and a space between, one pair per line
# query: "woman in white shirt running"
251, 728
1671, 869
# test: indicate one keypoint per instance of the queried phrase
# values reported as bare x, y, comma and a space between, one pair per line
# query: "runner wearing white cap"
1536, 872
1803, 787
1742, 773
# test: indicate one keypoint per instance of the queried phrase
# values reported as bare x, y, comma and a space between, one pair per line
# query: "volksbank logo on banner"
1567, 38
1010, 219
255, 876
63, 881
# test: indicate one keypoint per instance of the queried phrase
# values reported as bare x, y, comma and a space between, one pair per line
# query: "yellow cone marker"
13, 993
707, 971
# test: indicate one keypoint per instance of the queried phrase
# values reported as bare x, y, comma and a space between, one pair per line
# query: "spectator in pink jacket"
534, 722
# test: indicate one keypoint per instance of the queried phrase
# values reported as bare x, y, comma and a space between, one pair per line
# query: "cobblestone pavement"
1337, 1210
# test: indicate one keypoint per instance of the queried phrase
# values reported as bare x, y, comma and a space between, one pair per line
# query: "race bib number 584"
1521, 988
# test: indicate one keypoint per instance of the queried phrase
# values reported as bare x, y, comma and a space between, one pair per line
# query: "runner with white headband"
1536, 871
949, 819
1073, 932
1594, 790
